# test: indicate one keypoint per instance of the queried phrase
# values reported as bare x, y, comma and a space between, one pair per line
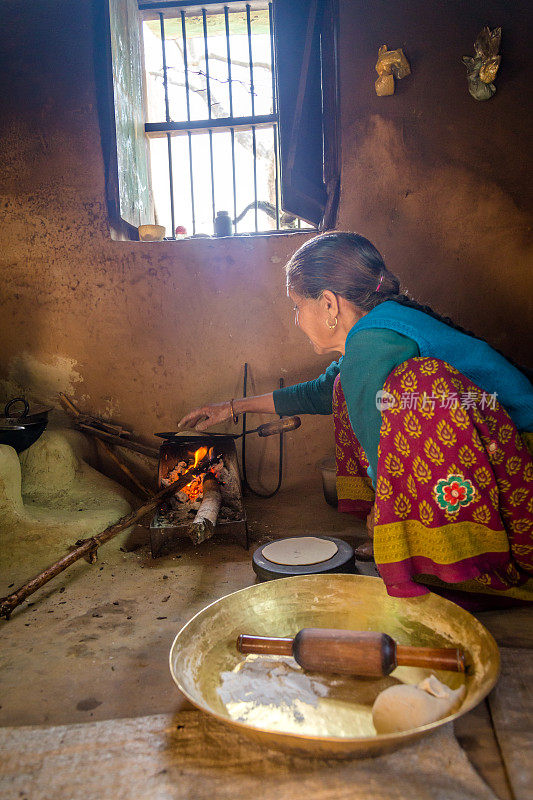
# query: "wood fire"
208, 502
194, 490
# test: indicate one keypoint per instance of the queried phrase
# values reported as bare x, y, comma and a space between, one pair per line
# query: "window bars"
186, 25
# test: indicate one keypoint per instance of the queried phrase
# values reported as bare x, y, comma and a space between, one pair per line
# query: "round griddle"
342, 561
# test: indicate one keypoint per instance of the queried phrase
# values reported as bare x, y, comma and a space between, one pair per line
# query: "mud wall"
439, 181
143, 332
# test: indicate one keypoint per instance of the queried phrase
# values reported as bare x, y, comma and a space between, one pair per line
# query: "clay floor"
94, 644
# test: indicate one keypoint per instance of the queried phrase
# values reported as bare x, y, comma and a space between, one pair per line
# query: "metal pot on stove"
18, 427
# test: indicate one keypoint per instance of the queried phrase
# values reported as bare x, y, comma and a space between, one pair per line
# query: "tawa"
303, 555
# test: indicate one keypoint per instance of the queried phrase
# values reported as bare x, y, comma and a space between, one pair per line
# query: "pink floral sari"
453, 503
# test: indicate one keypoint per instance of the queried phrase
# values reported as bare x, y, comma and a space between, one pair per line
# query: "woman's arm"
206, 416
310, 397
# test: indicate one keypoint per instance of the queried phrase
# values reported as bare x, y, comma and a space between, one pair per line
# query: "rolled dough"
403, 707
300, 551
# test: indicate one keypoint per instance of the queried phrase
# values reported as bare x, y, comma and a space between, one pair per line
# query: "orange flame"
200, 453
195, 486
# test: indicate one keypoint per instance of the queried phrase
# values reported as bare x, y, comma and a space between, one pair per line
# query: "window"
226, 112
212, 117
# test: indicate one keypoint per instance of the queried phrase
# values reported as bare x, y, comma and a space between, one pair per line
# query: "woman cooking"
433, 427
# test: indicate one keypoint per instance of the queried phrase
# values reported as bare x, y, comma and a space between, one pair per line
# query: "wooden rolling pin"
364, 653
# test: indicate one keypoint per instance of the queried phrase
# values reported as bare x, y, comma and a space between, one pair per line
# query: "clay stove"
210, 504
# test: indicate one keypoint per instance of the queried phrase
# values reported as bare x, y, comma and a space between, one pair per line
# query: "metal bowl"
340, 726
21, 429
22, 436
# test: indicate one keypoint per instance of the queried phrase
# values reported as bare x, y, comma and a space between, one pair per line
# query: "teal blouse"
384, 338
370, 357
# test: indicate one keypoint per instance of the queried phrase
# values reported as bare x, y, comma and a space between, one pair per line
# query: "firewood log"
203, 526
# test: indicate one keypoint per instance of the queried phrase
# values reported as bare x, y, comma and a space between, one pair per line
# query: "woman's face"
311, 316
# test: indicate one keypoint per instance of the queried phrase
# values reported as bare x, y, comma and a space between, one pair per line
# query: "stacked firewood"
108, 433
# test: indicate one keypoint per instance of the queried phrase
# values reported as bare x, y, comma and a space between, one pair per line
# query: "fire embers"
198, 506
194, 490
209, 504
192, 493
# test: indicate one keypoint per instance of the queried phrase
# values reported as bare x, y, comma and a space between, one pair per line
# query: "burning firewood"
209, 503
203, 494
205, 521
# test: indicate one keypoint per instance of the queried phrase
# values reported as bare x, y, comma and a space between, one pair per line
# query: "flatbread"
300, 551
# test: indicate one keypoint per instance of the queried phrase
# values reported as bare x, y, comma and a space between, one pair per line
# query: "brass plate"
339, 725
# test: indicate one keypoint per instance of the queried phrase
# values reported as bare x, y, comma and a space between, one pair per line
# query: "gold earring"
332, 327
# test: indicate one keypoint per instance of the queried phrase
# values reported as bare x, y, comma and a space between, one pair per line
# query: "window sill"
243, 235
236, 236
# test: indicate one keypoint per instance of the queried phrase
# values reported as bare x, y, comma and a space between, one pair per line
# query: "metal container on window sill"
20, 429
223, 224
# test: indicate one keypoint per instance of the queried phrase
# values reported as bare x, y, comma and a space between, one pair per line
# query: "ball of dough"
403, 707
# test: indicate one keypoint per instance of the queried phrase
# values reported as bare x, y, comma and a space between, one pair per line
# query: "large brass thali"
339, 724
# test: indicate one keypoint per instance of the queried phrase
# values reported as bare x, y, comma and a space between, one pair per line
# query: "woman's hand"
206, 416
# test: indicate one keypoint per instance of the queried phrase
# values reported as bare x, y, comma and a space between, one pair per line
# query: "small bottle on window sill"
223, 224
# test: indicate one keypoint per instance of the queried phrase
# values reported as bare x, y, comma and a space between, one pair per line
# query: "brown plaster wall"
144, 332
439, 181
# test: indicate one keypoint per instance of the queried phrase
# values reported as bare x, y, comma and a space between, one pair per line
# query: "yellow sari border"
350, 487
445, 545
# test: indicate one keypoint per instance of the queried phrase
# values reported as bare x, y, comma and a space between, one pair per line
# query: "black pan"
268, 429
19, 428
